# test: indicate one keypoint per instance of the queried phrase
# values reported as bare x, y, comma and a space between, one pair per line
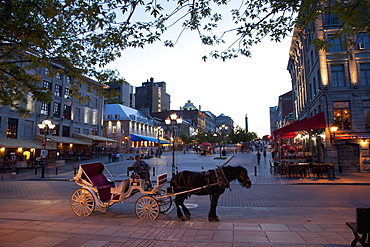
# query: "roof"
121, 112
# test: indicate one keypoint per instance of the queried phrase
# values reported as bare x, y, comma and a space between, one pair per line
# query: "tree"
239, 135
186, 139
85, 36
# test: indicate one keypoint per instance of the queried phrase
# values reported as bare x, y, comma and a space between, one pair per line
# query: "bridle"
245, 181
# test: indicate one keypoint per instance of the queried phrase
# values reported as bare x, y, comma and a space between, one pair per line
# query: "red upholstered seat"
101, 182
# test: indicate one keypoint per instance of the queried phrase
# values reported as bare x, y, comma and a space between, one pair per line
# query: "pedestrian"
258, 157
142, 168
264, 153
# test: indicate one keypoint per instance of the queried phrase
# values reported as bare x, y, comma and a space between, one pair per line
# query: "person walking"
142, 168
258, 157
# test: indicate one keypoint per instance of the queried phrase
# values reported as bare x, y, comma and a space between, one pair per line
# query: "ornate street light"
172, 120
222, 128
332, 131
45, 126
159, 130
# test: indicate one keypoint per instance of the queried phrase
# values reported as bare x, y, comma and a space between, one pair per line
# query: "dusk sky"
235, 88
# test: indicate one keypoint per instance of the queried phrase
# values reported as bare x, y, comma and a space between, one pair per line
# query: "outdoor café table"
300, 170
320, 169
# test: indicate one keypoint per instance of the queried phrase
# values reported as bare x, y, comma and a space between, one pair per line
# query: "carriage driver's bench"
361, 227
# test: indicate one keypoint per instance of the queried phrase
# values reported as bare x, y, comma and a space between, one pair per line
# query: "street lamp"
332, 131
173, 119
45, 126
222, 128
159, 130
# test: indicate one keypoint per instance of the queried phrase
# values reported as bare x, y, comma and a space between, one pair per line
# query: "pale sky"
235, 88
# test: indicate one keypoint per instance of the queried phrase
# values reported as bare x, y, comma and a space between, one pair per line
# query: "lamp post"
222, 128
159, 130
173, 119
332, 131
45, 126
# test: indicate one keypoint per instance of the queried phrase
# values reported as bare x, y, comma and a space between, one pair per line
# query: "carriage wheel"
82, 202
146, 207
165, 203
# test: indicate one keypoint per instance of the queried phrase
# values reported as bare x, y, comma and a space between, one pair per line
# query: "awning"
93, 138
146, 138
62, 139
17, 143
315, 122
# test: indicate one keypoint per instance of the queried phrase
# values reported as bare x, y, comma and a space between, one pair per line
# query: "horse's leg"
179, 201
180, 206
212, 216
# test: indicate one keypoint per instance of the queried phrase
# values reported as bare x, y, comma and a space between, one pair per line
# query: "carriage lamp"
332, 131
45, 126
172, 120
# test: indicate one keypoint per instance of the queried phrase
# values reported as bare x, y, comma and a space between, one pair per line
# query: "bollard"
153, 171
255, 170
35, 170
128, 173
75, 170
56, 171
177, 169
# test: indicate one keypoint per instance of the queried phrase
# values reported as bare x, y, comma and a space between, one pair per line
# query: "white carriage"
99, 191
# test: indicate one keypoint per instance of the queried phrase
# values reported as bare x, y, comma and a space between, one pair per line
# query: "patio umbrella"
206, 144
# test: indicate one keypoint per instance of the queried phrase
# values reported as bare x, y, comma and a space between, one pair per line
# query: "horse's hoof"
215, 219
188, 216
182, 218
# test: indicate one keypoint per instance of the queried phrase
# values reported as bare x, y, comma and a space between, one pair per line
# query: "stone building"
78, 126
334, 84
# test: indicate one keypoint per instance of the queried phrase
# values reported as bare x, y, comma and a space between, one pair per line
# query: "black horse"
211, 183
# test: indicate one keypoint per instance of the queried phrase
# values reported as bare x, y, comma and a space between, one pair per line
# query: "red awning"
315, 122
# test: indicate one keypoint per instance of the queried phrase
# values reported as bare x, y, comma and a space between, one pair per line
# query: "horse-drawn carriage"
99, 191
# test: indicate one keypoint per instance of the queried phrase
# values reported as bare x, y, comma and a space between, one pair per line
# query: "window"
367, 113
67, 112
58, 90
94, 132
12, 130
342, 116
68, 79
365, 74
77, 116
335, 44
67, 93
44, 108
65, 131
46, 71
46, 85
58, 76
56, 109
77, 130
363, 41
337, 76
330, 19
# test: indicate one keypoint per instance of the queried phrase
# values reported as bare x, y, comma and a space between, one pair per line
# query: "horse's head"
239, 173
243, 177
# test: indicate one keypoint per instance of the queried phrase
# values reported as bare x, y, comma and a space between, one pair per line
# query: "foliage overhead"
85, 36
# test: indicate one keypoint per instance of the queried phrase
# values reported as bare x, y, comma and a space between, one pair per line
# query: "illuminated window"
12, 130
67, 110
44, 108
342, 115
58, 90
56, 109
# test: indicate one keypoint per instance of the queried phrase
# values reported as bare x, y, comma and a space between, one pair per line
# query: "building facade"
336, 83
152, 97
22, 136
225, 120
130, 128
124, 94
